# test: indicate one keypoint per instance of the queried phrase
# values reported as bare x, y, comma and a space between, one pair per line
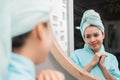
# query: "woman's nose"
92, 39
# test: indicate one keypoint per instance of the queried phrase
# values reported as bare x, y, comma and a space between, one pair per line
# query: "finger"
101, 54
50, 75
40, 77
60, 75
102, 59
53, 75
45, 75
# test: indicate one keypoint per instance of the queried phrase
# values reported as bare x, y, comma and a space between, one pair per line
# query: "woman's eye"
87, 36
96, 35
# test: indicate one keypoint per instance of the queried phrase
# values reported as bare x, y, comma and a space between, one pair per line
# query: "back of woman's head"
25, 15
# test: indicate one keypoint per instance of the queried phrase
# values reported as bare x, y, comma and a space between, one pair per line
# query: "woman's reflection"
93, 58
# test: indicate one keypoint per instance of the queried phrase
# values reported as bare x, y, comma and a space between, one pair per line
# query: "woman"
31, 40
93, 58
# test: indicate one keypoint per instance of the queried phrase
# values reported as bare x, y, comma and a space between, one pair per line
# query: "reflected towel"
90, 17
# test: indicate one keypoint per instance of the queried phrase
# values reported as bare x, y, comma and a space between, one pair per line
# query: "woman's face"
94, 38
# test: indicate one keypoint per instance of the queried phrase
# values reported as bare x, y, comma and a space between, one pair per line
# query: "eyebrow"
93, 33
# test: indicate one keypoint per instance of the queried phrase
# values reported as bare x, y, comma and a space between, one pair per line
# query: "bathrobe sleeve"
114, 70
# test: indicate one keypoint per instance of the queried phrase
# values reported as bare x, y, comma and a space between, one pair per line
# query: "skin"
50, 75
37, 43
94, 38
36, 49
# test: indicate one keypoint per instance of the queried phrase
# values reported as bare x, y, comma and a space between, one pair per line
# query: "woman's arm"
106, 73
94, 62
89, 67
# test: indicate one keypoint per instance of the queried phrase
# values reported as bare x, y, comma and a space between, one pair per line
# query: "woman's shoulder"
110, 55
79, 50
112, 58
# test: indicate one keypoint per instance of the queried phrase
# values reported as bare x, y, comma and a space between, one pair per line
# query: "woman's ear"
40, 30
103, 35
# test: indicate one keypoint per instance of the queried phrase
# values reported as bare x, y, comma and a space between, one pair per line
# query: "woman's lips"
93, 45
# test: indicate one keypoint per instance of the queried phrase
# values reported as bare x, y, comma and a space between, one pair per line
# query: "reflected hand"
102, 59
97, 58
50, 75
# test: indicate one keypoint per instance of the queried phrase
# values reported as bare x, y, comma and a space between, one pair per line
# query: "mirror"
63, 45
68, 65
68, 38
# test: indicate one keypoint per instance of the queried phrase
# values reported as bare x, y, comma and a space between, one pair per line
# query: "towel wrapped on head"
26, 14
90, 17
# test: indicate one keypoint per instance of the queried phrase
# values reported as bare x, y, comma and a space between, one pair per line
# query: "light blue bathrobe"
83, 57
5, 39
21, 68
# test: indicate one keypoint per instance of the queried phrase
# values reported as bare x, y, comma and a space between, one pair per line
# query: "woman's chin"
95, 49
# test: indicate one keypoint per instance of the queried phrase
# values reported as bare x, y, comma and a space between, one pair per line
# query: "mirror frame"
69, 65
63, 59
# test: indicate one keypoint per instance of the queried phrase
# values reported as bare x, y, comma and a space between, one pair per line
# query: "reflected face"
94, 38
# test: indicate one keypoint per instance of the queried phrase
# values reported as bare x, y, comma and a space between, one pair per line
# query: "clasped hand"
99, 58
50, 75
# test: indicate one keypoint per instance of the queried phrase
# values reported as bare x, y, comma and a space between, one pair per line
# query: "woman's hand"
98, 58
105, 71
95, 61
50, 75
102, 59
